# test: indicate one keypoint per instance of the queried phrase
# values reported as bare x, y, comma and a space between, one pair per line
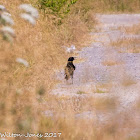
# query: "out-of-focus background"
36, 39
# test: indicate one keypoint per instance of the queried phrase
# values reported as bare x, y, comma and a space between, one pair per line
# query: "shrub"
57, 7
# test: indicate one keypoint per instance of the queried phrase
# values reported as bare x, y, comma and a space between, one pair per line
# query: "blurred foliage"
57, 7
116, 5
122, 5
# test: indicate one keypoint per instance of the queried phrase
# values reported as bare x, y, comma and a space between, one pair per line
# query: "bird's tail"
66, 77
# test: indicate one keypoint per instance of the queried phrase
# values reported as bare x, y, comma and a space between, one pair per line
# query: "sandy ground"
92, 72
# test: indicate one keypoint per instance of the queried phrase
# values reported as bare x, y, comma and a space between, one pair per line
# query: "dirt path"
94, 71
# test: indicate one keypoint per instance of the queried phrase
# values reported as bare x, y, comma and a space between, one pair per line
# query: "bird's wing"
74, 67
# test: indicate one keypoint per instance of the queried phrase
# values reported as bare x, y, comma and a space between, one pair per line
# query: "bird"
69, 69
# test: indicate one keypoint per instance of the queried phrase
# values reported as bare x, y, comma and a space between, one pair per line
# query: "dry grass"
80, 92
110, 6
128, 81
135, 29
105, 104
103, 88
110, 63
120, 6
64, 121
24, 91
129, 44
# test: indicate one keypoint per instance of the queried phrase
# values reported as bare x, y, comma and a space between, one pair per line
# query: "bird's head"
71, 58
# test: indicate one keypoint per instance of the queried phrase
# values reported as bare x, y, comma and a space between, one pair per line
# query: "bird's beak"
75, 57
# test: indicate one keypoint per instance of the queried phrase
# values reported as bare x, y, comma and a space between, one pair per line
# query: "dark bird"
69, 69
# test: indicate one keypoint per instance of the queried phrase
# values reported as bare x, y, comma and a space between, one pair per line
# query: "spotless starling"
69, 69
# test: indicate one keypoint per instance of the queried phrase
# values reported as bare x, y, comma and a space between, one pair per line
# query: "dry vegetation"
119, 6
130, 43
127, 45
24, 91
